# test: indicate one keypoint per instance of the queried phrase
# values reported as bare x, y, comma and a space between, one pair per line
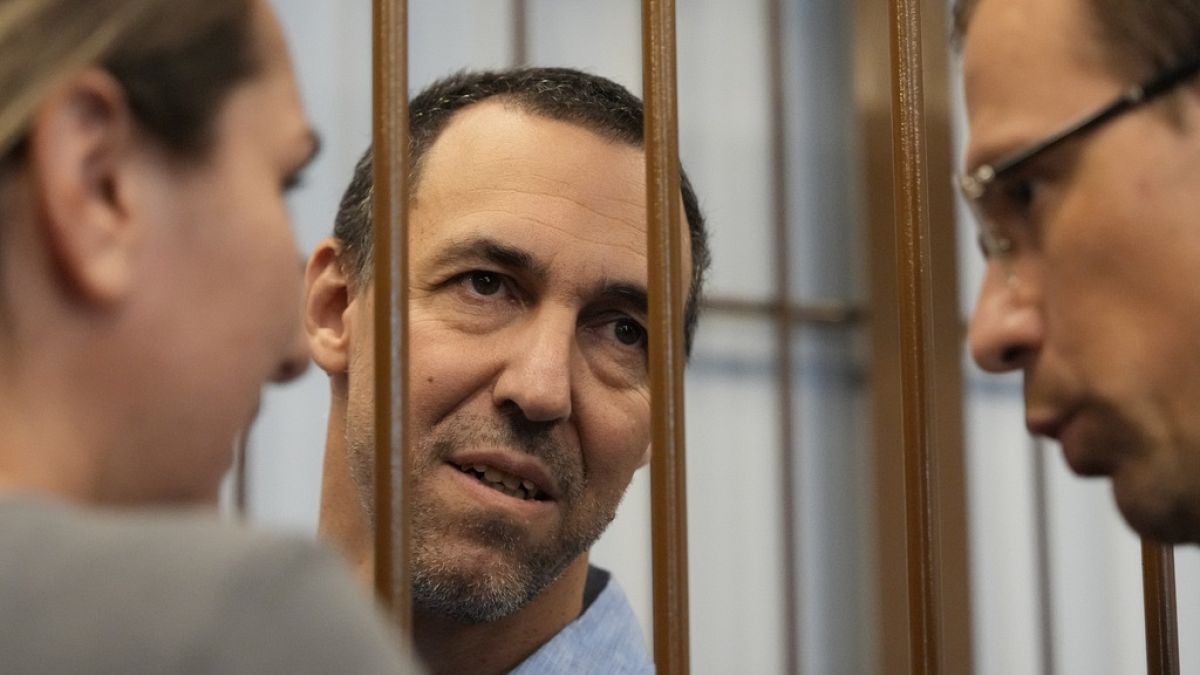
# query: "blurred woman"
148, 288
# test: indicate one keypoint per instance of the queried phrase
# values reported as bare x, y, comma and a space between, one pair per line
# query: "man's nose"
537, 372
1007, 328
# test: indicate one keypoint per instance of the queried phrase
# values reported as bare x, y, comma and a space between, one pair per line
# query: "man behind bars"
148, 289
528, 364
1092, 240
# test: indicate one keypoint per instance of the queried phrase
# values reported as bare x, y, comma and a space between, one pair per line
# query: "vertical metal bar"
1042, 542
520, 33
1158, 587
955, 651
914, 282
391, 301
783, 332
667, 290
873, 102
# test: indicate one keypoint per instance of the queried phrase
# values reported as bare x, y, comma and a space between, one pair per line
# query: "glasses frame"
975, 185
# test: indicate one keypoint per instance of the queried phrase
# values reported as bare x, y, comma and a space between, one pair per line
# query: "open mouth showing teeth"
504, 482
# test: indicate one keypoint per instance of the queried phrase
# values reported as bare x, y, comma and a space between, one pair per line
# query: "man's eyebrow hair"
631, 294
485, 248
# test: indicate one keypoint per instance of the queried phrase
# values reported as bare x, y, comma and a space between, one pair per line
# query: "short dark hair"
1140, 37
562, 94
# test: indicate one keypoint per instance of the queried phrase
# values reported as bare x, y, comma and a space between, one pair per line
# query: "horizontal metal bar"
832, 313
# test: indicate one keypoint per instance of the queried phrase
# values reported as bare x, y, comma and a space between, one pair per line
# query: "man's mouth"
503, 482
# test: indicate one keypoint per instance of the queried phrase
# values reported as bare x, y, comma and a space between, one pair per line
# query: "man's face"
222, 316
1099, 305
528, 357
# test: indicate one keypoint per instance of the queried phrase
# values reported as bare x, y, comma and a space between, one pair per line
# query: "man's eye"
485, 283
1014, 209
629, 332
1021, 193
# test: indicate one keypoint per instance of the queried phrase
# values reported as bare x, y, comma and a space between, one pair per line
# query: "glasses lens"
988, 209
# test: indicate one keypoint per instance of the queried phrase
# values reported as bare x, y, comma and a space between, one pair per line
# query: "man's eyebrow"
617, 292
490, 250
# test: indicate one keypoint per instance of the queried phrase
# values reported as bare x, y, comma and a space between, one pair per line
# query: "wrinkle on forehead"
529, 180
596, 236
632, 210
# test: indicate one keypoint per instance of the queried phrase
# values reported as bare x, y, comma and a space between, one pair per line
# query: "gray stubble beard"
443, 587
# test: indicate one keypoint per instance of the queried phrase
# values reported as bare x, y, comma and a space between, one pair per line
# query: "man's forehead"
494, 162
499, 130
521, 167
1029, 67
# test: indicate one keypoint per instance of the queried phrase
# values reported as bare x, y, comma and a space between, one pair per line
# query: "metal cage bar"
1158, 589
667, 290
390, 209
914, 281
877, 110
783, 332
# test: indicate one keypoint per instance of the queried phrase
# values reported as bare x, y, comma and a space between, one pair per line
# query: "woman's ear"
79, 147
327, 303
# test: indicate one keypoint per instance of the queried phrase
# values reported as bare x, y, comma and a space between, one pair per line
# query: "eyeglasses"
996, 202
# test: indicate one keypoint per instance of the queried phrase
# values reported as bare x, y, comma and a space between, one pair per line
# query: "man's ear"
79, 141
327, 304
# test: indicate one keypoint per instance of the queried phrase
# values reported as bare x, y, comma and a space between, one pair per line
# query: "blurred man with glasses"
1083, 169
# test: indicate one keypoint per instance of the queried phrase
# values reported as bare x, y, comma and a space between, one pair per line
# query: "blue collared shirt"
605, 640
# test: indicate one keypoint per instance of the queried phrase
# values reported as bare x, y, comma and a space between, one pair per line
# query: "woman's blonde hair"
175, 59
